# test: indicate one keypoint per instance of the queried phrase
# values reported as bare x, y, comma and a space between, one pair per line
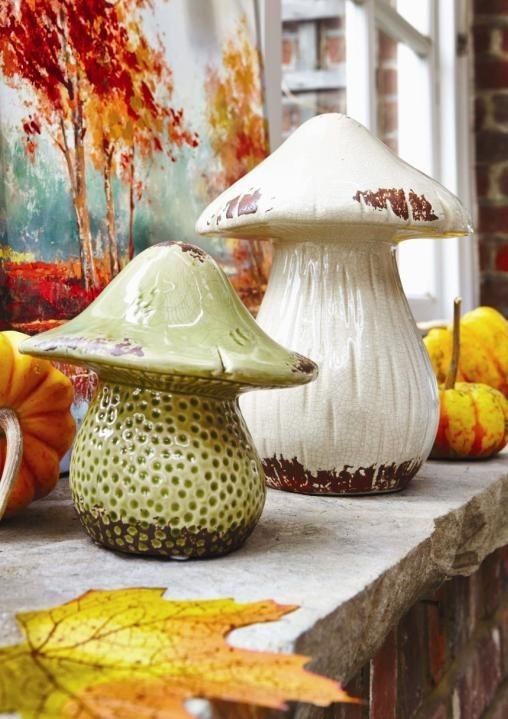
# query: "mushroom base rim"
292, 476
199, 544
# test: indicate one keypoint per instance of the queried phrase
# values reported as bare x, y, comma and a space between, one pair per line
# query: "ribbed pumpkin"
473, 420
483, 349
35, 400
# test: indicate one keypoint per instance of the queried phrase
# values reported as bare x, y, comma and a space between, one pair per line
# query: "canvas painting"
119, 122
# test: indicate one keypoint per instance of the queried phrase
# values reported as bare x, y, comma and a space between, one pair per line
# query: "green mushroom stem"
179, 473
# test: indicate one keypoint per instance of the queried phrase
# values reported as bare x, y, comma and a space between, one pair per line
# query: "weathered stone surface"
353, 564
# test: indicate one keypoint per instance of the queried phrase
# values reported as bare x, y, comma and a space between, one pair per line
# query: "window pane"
404, 123
313, 56
417, 258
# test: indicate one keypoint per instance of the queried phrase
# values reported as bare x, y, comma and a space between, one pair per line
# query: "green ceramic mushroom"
163, 463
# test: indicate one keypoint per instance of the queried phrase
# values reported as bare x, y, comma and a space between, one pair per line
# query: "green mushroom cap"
171, 320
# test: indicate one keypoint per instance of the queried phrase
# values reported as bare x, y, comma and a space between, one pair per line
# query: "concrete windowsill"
353, 565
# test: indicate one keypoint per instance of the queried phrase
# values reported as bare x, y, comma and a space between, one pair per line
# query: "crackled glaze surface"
333, 173
336, 200
166, 474
369, 420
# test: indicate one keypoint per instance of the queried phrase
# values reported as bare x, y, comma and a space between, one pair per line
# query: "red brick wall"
446, 659
330, 53
490, 35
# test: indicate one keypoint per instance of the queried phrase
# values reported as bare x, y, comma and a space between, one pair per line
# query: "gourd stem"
451, 377
9, 425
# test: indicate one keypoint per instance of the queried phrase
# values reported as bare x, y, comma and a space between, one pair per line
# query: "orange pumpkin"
38, 428
473, 420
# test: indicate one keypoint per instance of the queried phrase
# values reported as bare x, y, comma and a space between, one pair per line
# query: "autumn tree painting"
134, 124
109, 111
238, 132
99, 89
239, 139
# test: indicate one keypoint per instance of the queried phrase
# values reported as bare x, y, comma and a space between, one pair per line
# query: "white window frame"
454, 263
270, 30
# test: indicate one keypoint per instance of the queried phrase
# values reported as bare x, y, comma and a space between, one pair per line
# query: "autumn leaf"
130, 654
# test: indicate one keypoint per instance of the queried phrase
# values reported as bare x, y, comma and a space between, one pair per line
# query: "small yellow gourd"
473, 420
483, 349
438, 343
36, 426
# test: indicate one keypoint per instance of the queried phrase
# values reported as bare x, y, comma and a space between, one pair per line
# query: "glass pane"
418, 261
313, 57
404, 123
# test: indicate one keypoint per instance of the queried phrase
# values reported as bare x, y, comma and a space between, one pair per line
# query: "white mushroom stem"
375, 403
9, 426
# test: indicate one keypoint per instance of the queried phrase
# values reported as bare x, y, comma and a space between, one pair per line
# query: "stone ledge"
354, 565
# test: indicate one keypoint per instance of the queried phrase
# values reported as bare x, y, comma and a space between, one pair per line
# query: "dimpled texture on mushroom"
169, 475
330, 177
171, 320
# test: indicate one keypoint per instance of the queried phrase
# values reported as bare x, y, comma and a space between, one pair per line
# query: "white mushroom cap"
333, 175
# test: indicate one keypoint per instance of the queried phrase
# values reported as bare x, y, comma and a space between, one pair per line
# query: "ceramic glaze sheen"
163, 463
369, 421
335, 188
166, 474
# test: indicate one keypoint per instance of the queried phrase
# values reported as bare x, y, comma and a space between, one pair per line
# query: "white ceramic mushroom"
336, 201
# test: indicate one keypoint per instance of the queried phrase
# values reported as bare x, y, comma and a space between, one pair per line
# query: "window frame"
455, 264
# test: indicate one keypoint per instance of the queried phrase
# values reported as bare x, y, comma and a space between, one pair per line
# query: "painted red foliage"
35, 296
101, 91
40, 41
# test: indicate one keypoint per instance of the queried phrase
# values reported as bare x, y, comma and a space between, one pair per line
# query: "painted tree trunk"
85, 238
75, 163
80, 202
257, 260
131, 207
114, 261
369, 421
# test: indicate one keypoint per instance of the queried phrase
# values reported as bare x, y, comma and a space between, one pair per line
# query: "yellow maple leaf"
130, 654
